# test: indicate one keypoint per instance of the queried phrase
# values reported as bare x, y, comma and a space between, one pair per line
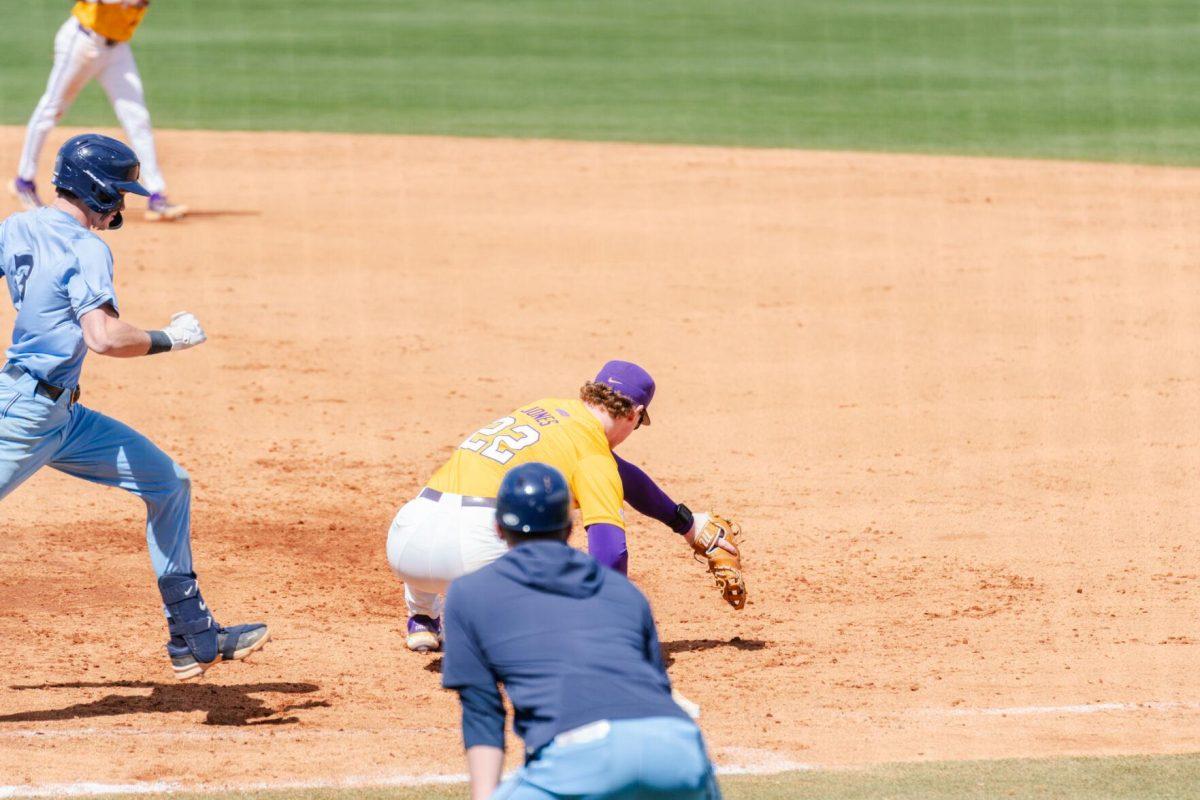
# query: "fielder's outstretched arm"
106, 334
643, 494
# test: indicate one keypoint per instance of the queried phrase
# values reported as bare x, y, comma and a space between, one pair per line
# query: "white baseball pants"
432, 542
79, 56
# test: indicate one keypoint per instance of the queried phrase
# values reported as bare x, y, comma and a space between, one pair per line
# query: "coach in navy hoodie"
575, 645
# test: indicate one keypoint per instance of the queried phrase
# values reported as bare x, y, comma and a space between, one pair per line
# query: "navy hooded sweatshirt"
573, 642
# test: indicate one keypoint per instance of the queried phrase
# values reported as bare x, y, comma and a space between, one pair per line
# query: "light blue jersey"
57, 271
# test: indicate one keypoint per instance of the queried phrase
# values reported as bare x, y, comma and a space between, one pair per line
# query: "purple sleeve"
643, 493
606, 544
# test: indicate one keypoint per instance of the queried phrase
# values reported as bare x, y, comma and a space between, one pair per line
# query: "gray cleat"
233, 644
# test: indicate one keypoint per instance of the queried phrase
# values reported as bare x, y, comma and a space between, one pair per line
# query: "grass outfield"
1092, 79
1159, 777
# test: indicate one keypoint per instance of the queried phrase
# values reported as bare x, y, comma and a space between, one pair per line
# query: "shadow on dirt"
669, 649
206, 213
223, 705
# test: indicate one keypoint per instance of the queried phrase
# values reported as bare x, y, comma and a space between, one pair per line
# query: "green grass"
1131, 778
1093, 79
1128, 778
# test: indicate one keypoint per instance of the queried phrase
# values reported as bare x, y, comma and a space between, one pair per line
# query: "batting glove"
184, 331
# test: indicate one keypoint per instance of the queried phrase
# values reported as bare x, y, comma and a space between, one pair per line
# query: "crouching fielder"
449, 529
577, 651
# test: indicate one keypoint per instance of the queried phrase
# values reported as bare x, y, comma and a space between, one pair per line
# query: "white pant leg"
433, 542
423, 551
480, 541
419, 602
123, 84
76, 61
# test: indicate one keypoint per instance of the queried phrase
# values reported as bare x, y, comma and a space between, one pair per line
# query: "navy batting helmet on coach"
533, 498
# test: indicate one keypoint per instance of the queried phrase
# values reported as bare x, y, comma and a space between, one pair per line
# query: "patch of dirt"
951, 402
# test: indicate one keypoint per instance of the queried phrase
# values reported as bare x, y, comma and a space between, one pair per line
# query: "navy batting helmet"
98, 170
533, 498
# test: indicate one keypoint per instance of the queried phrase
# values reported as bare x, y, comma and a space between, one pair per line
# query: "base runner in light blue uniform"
59, 276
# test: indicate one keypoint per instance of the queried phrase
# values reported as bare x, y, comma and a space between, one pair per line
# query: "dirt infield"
953, 402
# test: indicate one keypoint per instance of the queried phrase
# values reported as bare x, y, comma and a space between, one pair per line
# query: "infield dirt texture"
952, 401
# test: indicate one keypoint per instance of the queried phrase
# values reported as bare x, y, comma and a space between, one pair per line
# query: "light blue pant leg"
515, 788
657, 758
100, 449
673, 761
31, 428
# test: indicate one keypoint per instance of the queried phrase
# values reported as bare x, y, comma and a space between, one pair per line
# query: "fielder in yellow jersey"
449, 529
94, 43
114, 21
559, 432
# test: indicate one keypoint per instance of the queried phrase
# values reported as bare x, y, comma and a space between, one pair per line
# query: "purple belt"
101, 39
467, 500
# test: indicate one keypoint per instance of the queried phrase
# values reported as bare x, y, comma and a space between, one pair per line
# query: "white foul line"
770, 764
161, 787
1081, 708
756, 762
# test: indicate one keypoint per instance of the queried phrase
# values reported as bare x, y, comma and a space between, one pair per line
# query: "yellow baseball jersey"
554, 431
114, 21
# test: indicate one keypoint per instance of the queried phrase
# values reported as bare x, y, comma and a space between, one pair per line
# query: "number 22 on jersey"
501, 440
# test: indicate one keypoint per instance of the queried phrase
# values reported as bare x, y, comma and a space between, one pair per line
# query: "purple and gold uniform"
449, 529
93, 43
554, 431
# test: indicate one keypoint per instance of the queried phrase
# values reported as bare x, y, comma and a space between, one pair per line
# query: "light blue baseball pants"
656, 758
36, 431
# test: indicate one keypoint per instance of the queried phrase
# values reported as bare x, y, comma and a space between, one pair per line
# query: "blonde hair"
601, 395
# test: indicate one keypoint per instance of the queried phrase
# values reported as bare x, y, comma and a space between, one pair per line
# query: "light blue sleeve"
89, 278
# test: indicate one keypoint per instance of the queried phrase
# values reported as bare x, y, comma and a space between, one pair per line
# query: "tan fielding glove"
725, 567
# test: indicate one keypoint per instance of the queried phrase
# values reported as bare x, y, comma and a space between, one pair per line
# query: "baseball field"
919, 285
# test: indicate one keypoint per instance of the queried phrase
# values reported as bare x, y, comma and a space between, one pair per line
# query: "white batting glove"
184, 331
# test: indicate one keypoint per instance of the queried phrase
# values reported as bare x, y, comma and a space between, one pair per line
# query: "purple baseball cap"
630, 380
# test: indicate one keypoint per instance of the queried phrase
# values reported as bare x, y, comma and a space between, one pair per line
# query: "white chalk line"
773, 766
1081, 708
170, 787
756, 762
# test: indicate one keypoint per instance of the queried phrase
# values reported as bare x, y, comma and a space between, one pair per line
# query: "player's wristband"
683, 519
159, 342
